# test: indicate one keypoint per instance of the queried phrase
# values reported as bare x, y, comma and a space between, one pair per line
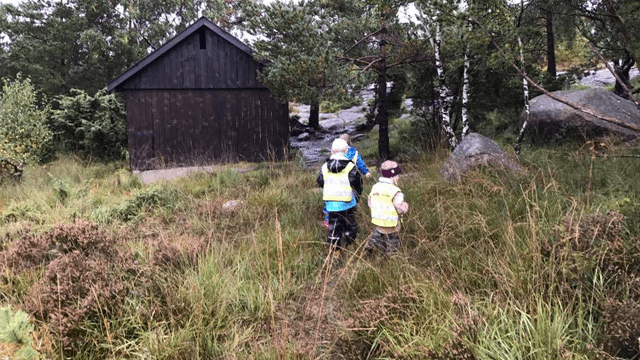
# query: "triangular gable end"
175, 41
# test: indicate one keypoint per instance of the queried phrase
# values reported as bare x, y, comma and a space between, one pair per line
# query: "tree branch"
622, 83
362, 40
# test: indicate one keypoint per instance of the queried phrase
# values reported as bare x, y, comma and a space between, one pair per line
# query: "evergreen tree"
298, 43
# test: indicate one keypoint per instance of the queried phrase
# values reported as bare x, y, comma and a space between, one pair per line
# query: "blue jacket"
353, 155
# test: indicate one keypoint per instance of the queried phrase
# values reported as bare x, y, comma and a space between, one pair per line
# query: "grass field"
541, 265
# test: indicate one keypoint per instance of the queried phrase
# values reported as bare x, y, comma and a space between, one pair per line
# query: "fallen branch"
624, 85
596, 114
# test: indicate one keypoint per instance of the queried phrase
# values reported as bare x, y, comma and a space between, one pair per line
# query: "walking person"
387, 206
353, 155
341, 185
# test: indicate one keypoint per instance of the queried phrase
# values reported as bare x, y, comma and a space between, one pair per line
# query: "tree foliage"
83, 44
299, 44
24, 135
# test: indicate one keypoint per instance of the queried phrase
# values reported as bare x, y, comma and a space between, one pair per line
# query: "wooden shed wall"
197, 126
186, 66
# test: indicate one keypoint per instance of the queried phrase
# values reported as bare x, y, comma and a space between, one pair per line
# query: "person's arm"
361, 165
399, 203
320, 179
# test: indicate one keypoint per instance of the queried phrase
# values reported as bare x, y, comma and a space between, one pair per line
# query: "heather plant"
83, 272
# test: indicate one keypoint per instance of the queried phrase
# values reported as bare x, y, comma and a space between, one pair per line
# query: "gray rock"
603, 77
476, 150
304, 136
232, 205
550, 117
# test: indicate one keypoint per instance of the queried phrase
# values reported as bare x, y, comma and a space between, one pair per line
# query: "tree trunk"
314, 114
382, 119
527, 112
622, 69
551, 46
465, 93
444, 94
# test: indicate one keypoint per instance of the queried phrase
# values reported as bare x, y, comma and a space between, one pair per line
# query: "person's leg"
351, 227
336, 228
325, 213
376, 241
393, 243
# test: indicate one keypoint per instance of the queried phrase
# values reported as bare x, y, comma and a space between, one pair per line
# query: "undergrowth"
541, 265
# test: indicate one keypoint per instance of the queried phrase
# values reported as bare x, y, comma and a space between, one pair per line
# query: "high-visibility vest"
383, 212
336, 185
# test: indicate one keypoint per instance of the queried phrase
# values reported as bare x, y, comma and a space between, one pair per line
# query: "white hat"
339, 144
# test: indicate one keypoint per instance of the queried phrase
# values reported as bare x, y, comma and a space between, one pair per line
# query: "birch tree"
525, 89
445, 94
465, 89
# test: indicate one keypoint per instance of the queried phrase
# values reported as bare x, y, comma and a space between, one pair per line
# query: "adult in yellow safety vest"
387, 204
341, 185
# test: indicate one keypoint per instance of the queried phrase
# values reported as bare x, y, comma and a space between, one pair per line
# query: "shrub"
92, 125
24, 135
621, 328
83, 277
144, 199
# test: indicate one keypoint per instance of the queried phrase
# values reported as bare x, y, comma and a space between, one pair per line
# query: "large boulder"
550, 118
473, 151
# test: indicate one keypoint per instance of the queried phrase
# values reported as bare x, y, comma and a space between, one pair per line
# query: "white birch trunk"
525, 88
465, 93
444, 92
442, 89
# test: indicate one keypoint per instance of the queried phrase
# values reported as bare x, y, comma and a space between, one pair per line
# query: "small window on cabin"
203, 39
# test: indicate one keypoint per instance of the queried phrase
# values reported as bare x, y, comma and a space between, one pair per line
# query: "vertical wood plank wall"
196, 127
186, 66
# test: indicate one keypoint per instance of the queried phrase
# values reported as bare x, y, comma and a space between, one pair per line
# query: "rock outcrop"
476, 150
550, 118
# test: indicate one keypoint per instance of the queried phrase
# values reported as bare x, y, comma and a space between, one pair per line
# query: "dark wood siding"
186, 66
197, 100
195, 127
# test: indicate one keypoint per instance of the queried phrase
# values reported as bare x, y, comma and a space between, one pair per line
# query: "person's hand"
368, 175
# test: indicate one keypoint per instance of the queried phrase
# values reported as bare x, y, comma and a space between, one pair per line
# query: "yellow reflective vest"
383, 212
336, 185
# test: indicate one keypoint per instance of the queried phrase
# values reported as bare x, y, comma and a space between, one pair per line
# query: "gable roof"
202, 22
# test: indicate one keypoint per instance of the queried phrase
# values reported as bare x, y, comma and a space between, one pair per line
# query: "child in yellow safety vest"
387, 205
353, 155
341, 184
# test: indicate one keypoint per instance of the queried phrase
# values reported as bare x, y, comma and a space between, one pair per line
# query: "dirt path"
150, 176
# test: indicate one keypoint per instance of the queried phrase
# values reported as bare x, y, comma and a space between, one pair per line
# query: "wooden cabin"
197, 100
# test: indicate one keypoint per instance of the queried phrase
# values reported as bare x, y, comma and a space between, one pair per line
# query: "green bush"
92, 125
24, 135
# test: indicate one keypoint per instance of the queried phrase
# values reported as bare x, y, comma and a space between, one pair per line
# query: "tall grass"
538, 265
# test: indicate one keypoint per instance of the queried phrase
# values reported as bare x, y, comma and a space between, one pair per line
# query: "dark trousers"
342, 228
387, 243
